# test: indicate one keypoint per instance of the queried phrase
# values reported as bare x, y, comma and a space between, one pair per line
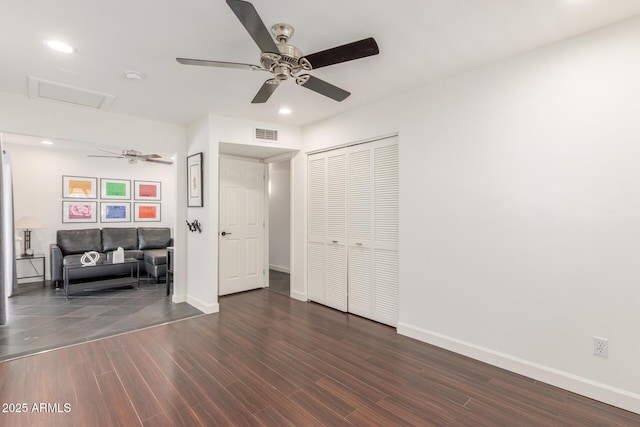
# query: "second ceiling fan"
286, 61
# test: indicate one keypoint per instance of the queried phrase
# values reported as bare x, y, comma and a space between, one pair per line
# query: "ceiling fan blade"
150, 156
265, 91
110, 152
252, 22
322, 87
164, 162
111, 157
188, 61
344, 53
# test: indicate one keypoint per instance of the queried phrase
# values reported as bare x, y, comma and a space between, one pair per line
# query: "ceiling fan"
134, 156
286, 61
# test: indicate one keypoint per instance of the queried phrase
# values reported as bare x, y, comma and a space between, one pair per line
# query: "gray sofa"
146, 244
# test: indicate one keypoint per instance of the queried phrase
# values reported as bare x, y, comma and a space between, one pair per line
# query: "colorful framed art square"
79, 211
146, 212
119, 189
79, 187
147, 190
115, 212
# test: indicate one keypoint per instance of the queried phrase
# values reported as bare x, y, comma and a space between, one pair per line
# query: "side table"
169, 275
30, 258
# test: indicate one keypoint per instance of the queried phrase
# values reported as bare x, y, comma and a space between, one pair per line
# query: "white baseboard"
280, 269
299, 296
206, 308
573, 383
179, 298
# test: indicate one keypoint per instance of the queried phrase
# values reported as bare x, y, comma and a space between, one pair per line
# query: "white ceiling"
419, 40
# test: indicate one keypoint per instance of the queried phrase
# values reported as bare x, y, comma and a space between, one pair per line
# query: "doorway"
242, 225
277, 279
279, 194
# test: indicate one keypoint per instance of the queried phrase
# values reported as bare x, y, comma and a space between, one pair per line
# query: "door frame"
279, 158
264, 205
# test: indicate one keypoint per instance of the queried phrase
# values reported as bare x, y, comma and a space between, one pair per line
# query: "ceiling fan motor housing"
285, 65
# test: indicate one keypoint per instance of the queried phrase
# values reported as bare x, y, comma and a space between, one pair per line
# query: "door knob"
224, 233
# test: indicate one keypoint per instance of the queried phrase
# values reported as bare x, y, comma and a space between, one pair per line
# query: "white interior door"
374, 230
326, 229
242, 226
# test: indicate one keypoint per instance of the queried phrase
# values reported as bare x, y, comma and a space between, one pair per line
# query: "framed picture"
146, 190
146, 212
79, 187
115, 212
194, 178
115, 189
80, 211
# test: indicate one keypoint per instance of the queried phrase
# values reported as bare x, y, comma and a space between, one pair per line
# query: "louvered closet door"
373, 230
326, 228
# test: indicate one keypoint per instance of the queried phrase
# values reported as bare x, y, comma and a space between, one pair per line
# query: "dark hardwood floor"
269, 360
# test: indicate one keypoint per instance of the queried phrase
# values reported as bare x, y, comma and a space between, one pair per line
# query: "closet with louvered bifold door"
352, 229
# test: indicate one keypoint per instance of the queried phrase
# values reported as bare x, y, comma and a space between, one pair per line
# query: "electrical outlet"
601, 347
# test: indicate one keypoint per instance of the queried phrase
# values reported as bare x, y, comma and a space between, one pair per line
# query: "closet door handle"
358, 244
334, 241
224, 233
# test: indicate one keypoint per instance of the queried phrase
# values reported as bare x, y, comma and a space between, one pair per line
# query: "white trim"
179, 298
204, 307
280, 268
573, 383
300, 296
265, 223
230, 156
280, 157
349, 144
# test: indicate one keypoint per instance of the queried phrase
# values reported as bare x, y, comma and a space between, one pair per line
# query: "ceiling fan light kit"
284, 60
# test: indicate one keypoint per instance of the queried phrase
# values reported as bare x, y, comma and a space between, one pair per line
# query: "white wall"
21, 115
280, 216
37, 180
519, 210
238, 131
203, 247
205, 136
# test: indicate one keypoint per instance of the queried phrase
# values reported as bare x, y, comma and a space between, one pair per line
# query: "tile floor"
41, 319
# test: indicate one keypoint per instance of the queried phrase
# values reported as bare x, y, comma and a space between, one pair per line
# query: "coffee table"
67, 271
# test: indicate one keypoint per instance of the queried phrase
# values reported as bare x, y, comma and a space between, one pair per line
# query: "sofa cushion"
153, 237
155, 256
79, 241
113, 238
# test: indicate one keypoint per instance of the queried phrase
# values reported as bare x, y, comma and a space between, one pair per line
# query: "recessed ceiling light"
59, 46
47, 142
134, 75
284, 111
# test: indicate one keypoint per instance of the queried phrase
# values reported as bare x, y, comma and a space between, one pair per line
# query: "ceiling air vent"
51, 91
268, 135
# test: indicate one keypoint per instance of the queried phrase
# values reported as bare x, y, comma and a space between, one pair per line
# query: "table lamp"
28, 223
